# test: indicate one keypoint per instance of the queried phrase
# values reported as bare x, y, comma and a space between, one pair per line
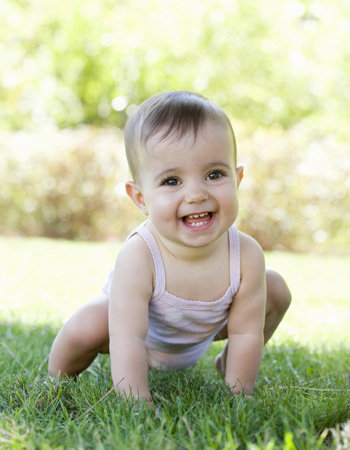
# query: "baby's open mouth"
197, 220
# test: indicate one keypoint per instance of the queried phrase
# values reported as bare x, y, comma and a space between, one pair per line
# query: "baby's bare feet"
220, 361
219, 364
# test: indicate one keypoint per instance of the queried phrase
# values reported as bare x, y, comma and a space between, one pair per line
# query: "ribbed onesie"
180, 331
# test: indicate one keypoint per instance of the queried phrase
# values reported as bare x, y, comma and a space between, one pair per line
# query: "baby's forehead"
167, 139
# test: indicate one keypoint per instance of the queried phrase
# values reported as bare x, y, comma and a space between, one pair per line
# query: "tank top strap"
148, 237
235, 258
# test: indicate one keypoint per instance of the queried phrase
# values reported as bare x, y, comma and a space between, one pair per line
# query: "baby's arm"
131, 291
246, 320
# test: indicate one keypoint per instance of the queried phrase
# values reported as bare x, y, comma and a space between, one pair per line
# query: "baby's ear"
134, 192
239, 174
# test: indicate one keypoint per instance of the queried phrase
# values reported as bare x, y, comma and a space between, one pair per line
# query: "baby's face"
189, 186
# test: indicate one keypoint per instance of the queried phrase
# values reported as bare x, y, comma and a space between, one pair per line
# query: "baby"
186, 276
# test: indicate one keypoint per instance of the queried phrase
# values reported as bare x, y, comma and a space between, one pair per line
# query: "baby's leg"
81, 338
278, 298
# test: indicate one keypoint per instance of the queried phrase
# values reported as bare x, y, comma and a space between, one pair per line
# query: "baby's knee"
277, 290
88, 329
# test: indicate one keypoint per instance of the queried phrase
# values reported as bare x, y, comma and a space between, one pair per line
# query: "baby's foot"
220, 361
220, 364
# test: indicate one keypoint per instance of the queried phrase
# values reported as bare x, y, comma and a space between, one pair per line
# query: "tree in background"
265, 62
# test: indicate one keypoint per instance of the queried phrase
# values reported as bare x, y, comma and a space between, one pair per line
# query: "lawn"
303, 389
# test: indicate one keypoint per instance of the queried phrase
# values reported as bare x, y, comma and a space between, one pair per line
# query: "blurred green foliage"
74, 61
70, 184
64, 184
281, 71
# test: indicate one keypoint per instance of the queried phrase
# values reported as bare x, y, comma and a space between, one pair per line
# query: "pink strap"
148, 237
235, 258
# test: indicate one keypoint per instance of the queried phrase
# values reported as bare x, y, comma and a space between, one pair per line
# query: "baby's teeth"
196, 216
197, 224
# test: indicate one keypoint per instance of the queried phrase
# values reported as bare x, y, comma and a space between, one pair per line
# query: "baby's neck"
188, 254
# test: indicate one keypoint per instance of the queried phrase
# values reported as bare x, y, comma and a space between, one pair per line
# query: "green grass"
303, 389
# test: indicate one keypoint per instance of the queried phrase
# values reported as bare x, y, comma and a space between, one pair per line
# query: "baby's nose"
195, 193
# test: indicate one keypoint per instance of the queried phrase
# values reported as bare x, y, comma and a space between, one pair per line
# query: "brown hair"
175, 113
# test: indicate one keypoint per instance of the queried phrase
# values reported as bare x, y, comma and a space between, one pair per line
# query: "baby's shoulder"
252, 256
135, 253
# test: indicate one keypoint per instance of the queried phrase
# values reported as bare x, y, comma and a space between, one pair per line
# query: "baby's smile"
198, 221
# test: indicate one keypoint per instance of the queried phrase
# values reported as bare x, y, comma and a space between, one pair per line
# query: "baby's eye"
170, 181
215, 174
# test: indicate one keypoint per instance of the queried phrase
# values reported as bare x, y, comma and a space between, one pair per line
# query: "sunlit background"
72, 71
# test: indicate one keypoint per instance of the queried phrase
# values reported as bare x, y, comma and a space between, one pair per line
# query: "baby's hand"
151, 406
242, 393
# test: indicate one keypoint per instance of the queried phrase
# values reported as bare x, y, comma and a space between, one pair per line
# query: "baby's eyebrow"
166, 172
219, 163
